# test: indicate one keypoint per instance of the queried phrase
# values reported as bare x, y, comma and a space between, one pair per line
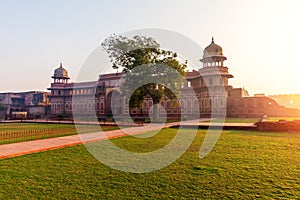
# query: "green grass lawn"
243, 165
20, 132
31, 126
4, 127
237, 120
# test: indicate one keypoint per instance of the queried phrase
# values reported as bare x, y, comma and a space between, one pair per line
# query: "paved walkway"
22, 148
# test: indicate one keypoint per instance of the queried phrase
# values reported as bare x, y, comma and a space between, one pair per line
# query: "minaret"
215, 81
60, 92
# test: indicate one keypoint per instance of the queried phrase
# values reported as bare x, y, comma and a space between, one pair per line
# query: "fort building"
210, 83
205, 92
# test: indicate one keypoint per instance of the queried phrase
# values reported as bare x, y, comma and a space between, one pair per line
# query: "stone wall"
247, 107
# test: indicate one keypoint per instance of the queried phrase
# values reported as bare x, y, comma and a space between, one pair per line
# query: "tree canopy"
150, 71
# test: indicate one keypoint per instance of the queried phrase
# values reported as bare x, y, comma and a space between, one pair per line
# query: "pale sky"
260, 38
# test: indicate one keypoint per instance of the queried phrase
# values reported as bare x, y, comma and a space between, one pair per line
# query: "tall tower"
61, 93
214, 81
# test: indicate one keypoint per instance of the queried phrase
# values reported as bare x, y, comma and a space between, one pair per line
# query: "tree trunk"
155, 113
156, 101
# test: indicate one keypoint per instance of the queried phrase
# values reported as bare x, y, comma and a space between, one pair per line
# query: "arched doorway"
114, 103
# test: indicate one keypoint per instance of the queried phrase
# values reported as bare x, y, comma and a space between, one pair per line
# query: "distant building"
210, 83
33, 103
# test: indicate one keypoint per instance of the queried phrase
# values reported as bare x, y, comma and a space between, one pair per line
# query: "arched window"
221, 102
168, 104
101, 105
205, 102
216, 103
189, 84
209, 102
182, 103
150, 103
196, 104
189, 104
175, 103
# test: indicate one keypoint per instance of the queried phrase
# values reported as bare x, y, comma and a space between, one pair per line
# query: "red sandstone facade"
214, 96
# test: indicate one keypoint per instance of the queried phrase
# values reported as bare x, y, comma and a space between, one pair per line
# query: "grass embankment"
243, 165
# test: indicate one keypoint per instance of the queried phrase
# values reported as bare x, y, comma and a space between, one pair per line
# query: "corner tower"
215, 81
210, 83
61, 93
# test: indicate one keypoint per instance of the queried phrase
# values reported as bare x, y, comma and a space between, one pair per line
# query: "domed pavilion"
213, 55
61, 75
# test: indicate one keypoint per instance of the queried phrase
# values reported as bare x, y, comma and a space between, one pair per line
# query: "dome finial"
60, 65
212, 40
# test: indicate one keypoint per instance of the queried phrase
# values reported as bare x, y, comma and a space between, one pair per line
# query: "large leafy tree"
150, 71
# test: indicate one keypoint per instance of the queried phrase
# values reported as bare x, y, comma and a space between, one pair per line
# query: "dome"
61, 72
212, 50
